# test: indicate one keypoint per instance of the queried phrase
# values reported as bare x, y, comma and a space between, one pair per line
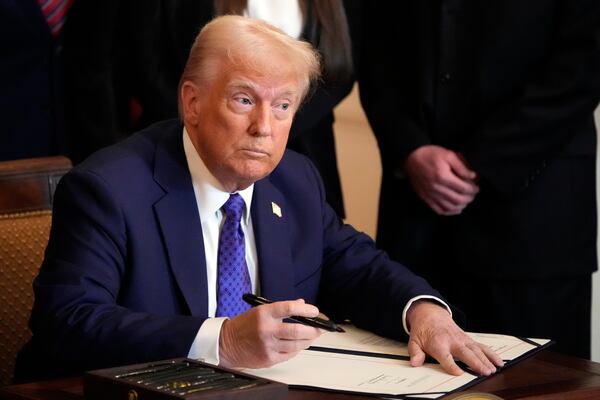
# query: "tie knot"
234, 207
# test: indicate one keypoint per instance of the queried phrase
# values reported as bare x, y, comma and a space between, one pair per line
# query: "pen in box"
147, 369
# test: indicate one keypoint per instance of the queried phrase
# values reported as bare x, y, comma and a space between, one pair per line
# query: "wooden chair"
26, 190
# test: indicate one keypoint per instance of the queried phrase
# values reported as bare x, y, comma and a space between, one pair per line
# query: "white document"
359, 340
508, 347
362, 362
355, 339
360, 374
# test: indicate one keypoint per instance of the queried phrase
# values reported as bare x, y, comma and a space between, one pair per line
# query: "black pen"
317, 322
223, 384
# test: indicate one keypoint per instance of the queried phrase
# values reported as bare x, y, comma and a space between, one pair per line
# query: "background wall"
360, 170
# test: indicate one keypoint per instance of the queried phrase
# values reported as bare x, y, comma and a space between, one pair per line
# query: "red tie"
55, 12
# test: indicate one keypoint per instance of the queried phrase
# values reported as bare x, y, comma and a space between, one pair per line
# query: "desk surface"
547, 376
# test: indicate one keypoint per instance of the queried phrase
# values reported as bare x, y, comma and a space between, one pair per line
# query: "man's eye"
245, 101
285, 106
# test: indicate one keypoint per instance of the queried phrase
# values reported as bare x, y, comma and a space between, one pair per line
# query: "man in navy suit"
132, 273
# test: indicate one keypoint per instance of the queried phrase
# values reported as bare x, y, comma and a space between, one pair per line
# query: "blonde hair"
233, 41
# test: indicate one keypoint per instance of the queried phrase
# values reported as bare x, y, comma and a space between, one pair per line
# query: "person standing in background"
132, 58
488, 145
31, 98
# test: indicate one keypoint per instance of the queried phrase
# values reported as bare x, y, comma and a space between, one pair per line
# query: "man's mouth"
254, 152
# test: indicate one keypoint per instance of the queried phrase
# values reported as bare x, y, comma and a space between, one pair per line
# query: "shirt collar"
209, 191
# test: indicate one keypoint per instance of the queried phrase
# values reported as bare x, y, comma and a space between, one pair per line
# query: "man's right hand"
441, 178
259, 338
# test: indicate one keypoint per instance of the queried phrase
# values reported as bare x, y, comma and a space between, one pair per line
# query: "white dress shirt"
284, 14
210, 197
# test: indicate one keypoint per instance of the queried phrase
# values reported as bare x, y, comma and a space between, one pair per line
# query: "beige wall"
360, 167
360, 170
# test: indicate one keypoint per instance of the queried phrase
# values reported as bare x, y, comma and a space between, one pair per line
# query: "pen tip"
338, 329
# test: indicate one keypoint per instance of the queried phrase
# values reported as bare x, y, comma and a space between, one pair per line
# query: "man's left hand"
433, 332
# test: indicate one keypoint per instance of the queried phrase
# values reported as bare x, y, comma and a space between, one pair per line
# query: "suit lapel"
177, 213
272, 242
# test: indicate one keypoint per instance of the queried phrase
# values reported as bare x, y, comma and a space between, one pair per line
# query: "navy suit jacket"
124, 276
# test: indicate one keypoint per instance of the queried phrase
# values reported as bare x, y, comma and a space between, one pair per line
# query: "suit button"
447, 77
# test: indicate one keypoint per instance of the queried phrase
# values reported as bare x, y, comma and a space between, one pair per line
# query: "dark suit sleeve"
384, 86
522, 136
76, 316
161, 34
361, 283
94, 88
319, 106
330, 92
153, 67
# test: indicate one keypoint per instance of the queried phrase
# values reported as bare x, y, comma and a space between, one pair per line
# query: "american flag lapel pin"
276, 209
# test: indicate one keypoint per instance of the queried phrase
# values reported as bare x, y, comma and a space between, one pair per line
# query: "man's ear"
189, 102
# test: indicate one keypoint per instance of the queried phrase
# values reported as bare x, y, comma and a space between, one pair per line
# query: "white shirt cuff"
206, 344
411, 301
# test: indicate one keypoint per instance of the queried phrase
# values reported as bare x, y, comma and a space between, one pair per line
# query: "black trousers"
557, 309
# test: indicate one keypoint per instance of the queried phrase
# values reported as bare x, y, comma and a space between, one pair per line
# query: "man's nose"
261, 121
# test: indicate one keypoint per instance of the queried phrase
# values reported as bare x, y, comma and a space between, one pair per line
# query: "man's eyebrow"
242, 84
288, 93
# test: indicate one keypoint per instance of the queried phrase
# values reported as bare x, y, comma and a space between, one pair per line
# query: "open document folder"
358, 361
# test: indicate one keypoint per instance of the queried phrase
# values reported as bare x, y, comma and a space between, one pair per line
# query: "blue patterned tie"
233, 277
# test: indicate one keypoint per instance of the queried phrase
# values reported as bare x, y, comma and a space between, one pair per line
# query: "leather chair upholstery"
26, 190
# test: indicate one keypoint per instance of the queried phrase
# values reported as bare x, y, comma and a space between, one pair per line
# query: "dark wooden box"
127, 383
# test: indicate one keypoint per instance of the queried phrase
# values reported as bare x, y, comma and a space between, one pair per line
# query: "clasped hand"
442, 179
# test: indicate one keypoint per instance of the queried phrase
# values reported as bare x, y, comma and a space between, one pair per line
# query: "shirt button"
447, 77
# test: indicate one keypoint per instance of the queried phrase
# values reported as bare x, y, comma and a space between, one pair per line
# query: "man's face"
242, 124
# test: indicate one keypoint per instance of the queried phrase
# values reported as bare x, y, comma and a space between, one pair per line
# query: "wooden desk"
547, 376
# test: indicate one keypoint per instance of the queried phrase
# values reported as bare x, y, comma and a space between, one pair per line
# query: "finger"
438, 204
459, 185
281, 357
284, 309
450, 200
433, 205
292, 346
295, 331
448, 364
274, 357
417, 355
491, 355
460, 168
473, 361
478, 351
453, 196
443, 207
